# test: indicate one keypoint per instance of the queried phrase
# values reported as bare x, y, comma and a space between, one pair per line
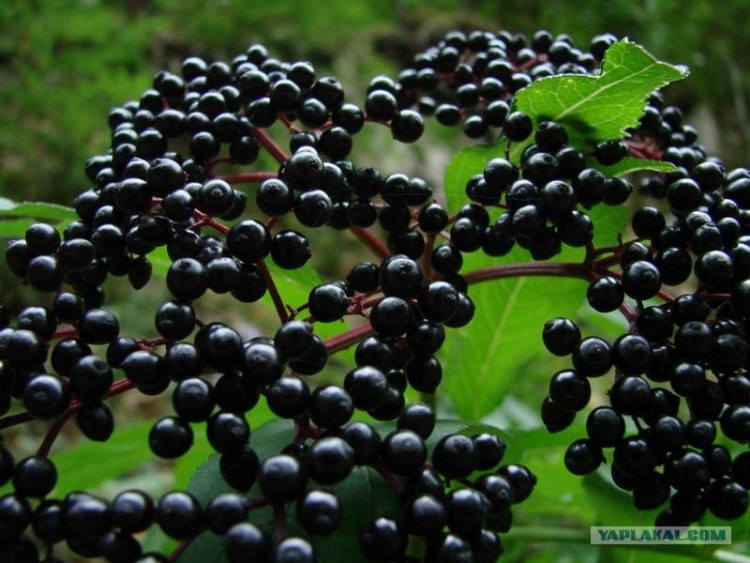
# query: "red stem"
205, 220
211, 165
273, 291
562, 269
118, 387
279, 516
249, 177
270, 145
348, 338
389, 477
288, 124
70, 332
429, 243
181, 547
53, 432
372, 242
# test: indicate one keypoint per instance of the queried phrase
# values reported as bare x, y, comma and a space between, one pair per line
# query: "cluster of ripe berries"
680, 371
158, 187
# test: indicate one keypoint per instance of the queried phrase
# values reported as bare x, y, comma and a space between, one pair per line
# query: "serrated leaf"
631, 164
36, 210
597, 108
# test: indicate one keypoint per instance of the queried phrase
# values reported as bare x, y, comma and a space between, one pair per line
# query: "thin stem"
628, 312
371, 241
429, 243
390, 478
248, 178
15, 419
273, 291
288, 124
70, 332
118, 387
257, 502
270, 145
205, 220
303, 429
348, 338
560, 269
152, 343
53, 432
181, 547
211, 165
279, 515
428, 399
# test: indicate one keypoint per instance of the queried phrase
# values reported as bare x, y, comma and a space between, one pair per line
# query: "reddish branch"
270, 145
181, 547
348, 338
560, 269
372, 242
52, 433
248, 178
118, 387
273, 291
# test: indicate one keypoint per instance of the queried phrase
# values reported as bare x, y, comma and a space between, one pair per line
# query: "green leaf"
558, 501
597, 108
364, 495
294, 285
631, 164
466, 163
186, 466
207, 483
160, 261
80, 466
482, 360
14, 228
36, 210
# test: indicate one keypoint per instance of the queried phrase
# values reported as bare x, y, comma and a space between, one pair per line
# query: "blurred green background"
65, 63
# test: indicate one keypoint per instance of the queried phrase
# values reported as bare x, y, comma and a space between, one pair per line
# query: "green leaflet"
597, 108
364, 494
36, 210
79, 466
631, 164
16, 217
481, 361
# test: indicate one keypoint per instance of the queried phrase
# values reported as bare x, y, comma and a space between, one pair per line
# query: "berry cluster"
159, 186
64, 358
681, 369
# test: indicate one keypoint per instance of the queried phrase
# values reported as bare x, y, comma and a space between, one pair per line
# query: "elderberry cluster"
159, 187
680, 372
173, 180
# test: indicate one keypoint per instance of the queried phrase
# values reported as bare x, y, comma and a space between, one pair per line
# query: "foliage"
485, 360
